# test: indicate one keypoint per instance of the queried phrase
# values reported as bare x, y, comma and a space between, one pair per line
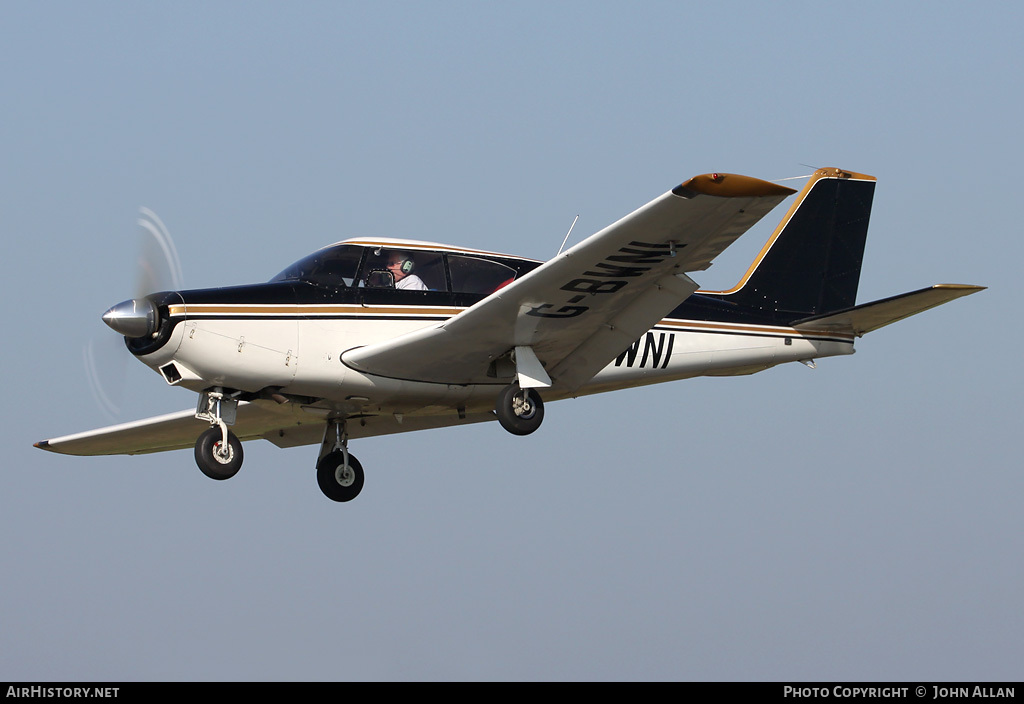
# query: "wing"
288, 425
564, 321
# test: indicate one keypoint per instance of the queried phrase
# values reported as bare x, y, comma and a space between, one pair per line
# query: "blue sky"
858, 521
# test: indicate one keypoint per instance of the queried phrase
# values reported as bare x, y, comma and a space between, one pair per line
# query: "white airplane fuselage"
298, 350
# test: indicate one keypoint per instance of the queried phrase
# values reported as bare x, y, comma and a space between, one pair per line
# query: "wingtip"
964, 289
42, 444
730, 186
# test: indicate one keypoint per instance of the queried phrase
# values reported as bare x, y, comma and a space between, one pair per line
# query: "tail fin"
811, 264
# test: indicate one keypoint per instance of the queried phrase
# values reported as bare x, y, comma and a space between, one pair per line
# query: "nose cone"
134, 318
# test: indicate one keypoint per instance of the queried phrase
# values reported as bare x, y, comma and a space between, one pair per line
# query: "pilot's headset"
407, 264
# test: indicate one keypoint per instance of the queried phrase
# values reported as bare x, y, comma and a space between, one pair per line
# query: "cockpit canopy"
388, 265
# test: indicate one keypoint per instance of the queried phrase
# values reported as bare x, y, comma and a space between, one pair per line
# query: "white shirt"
411, 282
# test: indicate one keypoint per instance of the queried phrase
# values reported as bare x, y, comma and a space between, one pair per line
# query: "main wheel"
214, 460
520, 411
338, 481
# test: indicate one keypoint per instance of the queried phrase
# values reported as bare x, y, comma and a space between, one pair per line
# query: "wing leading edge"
573, 314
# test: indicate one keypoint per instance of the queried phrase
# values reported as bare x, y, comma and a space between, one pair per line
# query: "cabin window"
335, 267
475, 275
413, 270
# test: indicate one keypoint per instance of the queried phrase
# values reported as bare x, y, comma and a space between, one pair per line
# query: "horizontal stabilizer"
870, 316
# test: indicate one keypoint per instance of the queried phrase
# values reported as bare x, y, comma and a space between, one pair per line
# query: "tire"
209, 460
513, 417
334, 481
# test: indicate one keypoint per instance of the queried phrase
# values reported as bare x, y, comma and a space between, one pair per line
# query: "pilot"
401, 265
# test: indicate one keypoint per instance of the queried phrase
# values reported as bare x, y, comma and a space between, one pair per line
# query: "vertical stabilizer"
811, 264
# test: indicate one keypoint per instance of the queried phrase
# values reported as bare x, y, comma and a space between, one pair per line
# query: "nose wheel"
520, 411
218, 459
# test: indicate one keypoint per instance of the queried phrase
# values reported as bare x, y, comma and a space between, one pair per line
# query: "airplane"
375, 336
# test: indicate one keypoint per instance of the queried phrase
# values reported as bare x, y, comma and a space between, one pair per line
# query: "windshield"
335, 267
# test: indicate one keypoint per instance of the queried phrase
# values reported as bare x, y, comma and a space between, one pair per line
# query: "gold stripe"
296, 310
293, 309
429, 246
781, 330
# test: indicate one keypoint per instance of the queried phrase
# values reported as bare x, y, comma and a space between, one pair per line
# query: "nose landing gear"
218, 451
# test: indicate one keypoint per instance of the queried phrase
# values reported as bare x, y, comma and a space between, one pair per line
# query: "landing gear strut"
520, 411
218, 451
338, 473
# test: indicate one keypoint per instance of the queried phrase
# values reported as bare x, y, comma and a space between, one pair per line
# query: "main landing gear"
338, 473
520, 411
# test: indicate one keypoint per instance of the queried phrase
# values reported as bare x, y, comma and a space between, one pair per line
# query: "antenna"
791, 178
568, 233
